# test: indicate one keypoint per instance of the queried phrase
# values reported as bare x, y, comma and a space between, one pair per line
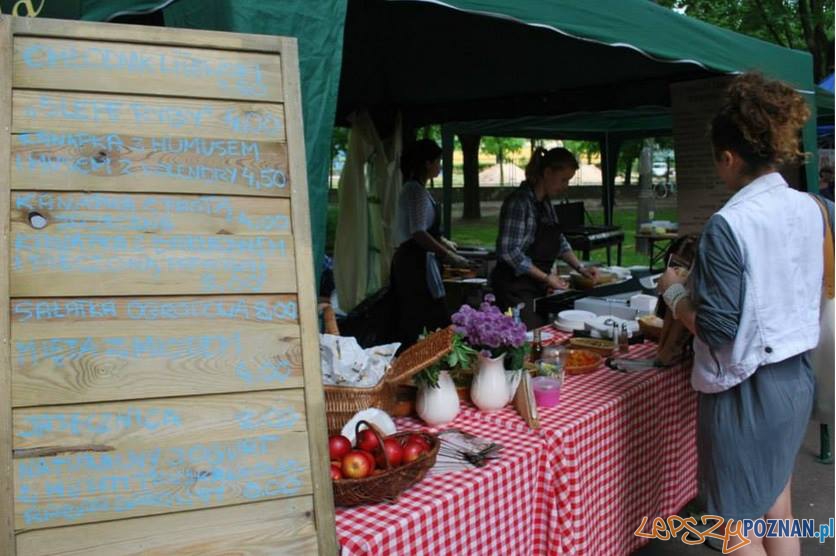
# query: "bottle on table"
624, 339
536, 346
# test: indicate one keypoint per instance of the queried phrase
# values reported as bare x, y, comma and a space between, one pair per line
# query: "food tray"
595, 362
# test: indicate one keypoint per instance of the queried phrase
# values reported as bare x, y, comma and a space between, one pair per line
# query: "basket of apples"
378, 469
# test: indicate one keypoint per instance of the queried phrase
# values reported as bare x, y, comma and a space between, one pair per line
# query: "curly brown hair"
761, 121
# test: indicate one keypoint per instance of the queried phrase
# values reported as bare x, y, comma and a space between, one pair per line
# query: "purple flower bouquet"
492, 333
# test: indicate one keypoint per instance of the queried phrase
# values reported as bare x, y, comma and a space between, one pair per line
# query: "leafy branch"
460, 358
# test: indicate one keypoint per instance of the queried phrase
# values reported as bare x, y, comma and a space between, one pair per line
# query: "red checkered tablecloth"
490, 510
622, 446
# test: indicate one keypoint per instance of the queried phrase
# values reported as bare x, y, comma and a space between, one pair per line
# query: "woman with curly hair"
752, 301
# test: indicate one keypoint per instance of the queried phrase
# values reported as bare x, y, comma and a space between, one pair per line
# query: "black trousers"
511, 290
415, 309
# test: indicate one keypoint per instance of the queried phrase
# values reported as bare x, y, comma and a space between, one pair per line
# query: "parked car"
660, 168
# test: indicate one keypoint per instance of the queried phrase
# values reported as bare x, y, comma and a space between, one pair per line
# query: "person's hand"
554, 282
589, 272
449, 244
671, 276
454, 259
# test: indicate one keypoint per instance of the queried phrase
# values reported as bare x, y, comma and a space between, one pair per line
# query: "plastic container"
546, 391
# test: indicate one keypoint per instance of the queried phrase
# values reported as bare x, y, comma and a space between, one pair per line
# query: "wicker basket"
342, 402
388, 485
650, 331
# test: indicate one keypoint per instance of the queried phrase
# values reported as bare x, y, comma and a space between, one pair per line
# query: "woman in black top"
416, 274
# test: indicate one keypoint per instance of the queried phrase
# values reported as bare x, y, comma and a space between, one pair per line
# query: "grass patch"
483, 233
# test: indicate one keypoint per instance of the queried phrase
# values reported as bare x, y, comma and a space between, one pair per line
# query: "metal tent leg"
825, 454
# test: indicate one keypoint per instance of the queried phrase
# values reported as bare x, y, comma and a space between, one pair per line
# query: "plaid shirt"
518, 220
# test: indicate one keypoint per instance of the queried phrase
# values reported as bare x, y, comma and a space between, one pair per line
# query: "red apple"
338, 446
369, 457
336, 472
420, 439
367, 440
394, 451
356, 465
413, 451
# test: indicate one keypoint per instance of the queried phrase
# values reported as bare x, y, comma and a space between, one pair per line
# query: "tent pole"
610, 147
603, 148
447, 180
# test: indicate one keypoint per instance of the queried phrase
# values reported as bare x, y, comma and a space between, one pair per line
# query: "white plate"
574, 319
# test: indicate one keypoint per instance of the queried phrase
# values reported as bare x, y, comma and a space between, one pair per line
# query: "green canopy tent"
473, 59
609, 128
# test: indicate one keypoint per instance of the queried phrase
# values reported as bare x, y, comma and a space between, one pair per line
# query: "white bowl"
573, 319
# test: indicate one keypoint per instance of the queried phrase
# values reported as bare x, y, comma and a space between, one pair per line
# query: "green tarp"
319, 28
643, 121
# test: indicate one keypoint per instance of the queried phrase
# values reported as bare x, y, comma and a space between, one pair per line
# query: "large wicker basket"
392, 481
342, 402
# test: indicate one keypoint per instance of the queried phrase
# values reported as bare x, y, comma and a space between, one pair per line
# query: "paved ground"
813, 498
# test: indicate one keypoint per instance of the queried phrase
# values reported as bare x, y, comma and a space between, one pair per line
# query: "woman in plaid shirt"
530, 239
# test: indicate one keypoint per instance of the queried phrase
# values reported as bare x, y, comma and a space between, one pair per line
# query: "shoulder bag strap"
828, 250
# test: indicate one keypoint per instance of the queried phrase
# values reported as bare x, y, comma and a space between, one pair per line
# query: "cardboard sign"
161, 387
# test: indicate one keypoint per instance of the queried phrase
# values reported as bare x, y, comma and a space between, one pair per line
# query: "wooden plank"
81, 65
67, 351
150, 244
259, 529
82, 464
314, 398
46, 264
68, 213
41, 318
7, 540
45, 27
163, 423
117, 162
101, 114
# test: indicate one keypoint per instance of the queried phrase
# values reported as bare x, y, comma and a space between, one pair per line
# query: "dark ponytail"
415, 158
552, 158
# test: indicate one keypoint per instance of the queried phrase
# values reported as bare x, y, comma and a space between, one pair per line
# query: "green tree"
584, 148
800, 24
499, 146
630, 151
339, 144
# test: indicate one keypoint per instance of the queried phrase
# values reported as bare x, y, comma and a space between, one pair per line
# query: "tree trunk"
810, 14
628, 172
501, 158
470, 152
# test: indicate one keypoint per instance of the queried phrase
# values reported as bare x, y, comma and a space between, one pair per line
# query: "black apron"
415, 308
511, 290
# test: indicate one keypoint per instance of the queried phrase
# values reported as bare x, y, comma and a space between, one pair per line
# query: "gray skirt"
749, 436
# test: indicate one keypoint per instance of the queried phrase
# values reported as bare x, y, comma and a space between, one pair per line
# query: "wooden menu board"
160, 391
